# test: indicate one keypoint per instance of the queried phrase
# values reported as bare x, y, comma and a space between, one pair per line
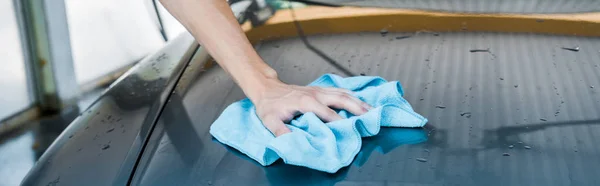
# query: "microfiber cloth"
313, 143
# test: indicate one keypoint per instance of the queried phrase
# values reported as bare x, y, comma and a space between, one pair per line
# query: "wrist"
258, 86
257, 89
255, 80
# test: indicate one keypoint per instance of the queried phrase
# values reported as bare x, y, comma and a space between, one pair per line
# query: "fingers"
345, 102
326, 114
321, 110
276, 126
281, 106
348, 93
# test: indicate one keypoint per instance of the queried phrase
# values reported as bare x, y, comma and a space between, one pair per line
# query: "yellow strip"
19, 119
321, 20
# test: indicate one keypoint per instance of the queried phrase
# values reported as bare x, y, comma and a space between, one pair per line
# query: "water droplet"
511, 146
527, 147
421, 159
362, 74
574, 49
516, 86
501, 78
110, 130
505, 154
543, 119
104, 147
479, 50
520, 142
383, 32
440, 107
402, 37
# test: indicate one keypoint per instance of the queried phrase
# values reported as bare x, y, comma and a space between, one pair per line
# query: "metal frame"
25, 48
31, 111
46, 47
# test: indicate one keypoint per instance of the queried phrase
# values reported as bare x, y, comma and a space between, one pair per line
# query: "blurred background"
104, 39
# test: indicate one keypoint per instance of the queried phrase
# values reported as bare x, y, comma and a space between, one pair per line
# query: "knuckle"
340, 100
345, 97
343, 91
336, 93
306, 99
314, 91
303, 98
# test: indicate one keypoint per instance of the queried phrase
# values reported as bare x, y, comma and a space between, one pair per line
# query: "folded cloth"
313, 143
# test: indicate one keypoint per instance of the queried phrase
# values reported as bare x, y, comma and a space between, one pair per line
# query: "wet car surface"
524, 111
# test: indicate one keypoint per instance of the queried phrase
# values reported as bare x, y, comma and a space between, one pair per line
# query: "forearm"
214, 26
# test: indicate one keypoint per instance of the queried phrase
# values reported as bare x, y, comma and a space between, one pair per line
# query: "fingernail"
368, 107
364, 111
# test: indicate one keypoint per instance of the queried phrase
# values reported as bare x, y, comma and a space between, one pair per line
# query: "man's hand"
212, 23
278, 103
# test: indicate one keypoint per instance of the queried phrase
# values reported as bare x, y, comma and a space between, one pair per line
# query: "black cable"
161, 28
314, 49
317, 3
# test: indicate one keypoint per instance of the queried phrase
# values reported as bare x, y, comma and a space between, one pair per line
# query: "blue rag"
313, 143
